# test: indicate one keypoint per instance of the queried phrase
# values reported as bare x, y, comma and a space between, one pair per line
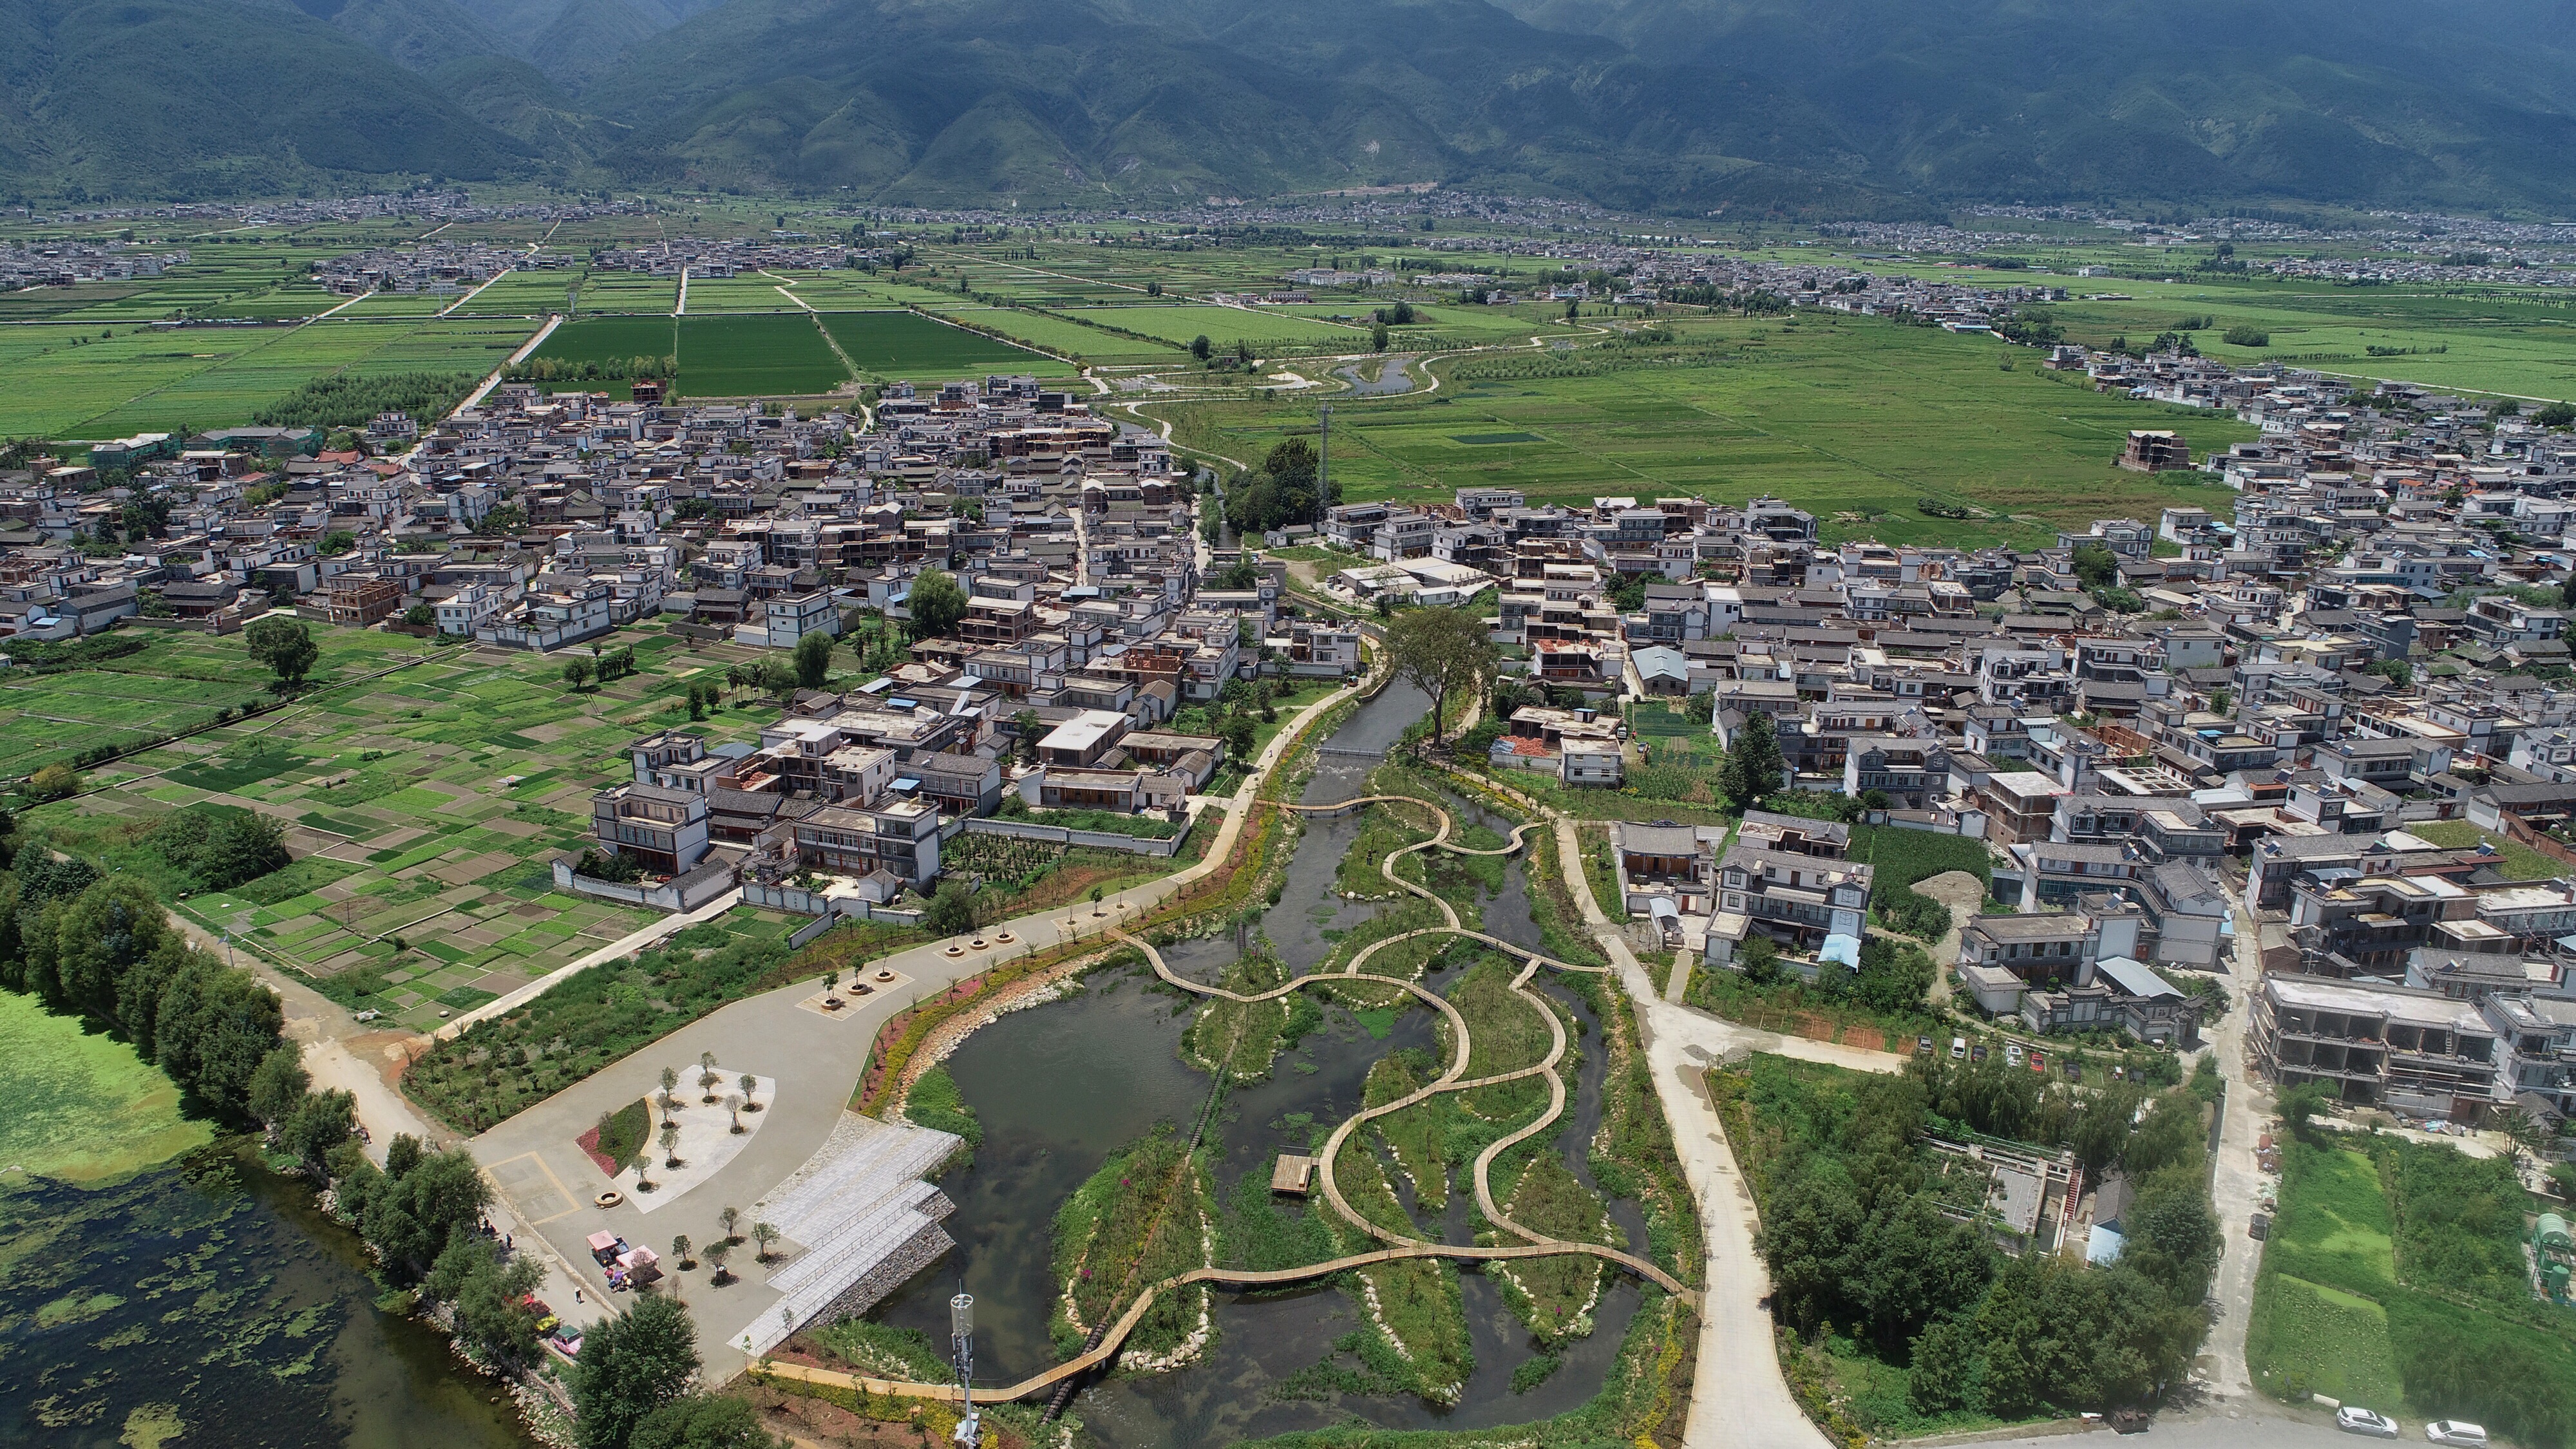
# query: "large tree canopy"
1443, 653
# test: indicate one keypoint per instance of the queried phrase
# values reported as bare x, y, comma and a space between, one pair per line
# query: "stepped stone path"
1454, 1079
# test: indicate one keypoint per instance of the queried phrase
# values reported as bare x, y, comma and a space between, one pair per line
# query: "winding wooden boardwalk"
1454, 1079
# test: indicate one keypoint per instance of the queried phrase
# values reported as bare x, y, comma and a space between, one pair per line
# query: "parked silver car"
2354, 1420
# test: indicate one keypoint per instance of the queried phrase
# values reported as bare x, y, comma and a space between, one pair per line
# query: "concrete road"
341, 1055
2212, 1428
2237, 1184
1739, 1395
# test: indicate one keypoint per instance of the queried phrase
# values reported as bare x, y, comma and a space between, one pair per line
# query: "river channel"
207, 1301
1059, 1087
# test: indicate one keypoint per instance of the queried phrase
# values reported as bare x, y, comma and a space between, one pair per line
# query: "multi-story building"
1804, 903
2413, 1051
900, 837
665, 830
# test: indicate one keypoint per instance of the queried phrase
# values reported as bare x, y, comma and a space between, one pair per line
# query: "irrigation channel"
209, 1302
1061, 1087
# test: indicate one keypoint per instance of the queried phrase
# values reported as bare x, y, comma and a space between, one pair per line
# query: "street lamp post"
961, 1337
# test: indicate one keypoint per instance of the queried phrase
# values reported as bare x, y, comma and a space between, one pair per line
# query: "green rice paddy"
1064, 335
121, 380
1856, 421
909, 345
781, 354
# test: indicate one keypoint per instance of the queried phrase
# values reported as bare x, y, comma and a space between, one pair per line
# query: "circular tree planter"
609, 1199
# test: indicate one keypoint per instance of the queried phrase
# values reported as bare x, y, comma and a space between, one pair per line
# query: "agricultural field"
628, 292
2400, 1282
602, 339
908, 345
240, 386
1855, 420
422, 806
202, 377
750, 292
755, 356
1057, 334
2508, 341
1224, 326
858, 292
1444, 319
220, 280
35, 303
399, 304
521, 294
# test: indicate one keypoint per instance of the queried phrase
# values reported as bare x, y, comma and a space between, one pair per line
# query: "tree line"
592, 369
348, 400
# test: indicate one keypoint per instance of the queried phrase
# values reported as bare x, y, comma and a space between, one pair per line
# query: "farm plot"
756, 356
46, 391
423, 807
234, 389
1058, 334
909, 345
398, 304
450, 345
598, 342
627, 292
37, 302
1223, 326
1813, 414
750, 292
522, 294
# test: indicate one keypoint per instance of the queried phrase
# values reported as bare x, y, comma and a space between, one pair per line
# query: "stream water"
209, 1301
1060, 1087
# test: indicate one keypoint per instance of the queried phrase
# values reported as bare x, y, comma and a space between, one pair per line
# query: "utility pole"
1324, 466
961, 1337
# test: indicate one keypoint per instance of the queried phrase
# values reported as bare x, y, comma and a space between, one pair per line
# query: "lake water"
209, 1301
1060, 1087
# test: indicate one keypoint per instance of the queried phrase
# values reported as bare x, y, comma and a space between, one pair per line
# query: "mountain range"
1689, 107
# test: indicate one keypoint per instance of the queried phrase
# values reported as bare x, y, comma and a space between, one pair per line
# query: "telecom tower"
961, 1336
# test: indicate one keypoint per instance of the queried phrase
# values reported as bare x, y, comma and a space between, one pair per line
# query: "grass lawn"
420, 873
82, 1106
2333, 1315
2309, 1337
1855, 420
2517, 860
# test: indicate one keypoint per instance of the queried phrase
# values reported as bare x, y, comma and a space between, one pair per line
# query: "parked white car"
2354, 1420
2452, 1431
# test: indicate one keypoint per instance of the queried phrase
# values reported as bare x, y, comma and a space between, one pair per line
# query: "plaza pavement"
816, 1060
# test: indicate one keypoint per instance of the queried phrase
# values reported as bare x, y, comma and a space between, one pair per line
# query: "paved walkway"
339, 1055
616, 950
817, 1060
2236, 1182
1739, 1398
1400, 1246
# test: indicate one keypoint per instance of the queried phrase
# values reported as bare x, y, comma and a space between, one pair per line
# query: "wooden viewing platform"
1293, 1174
